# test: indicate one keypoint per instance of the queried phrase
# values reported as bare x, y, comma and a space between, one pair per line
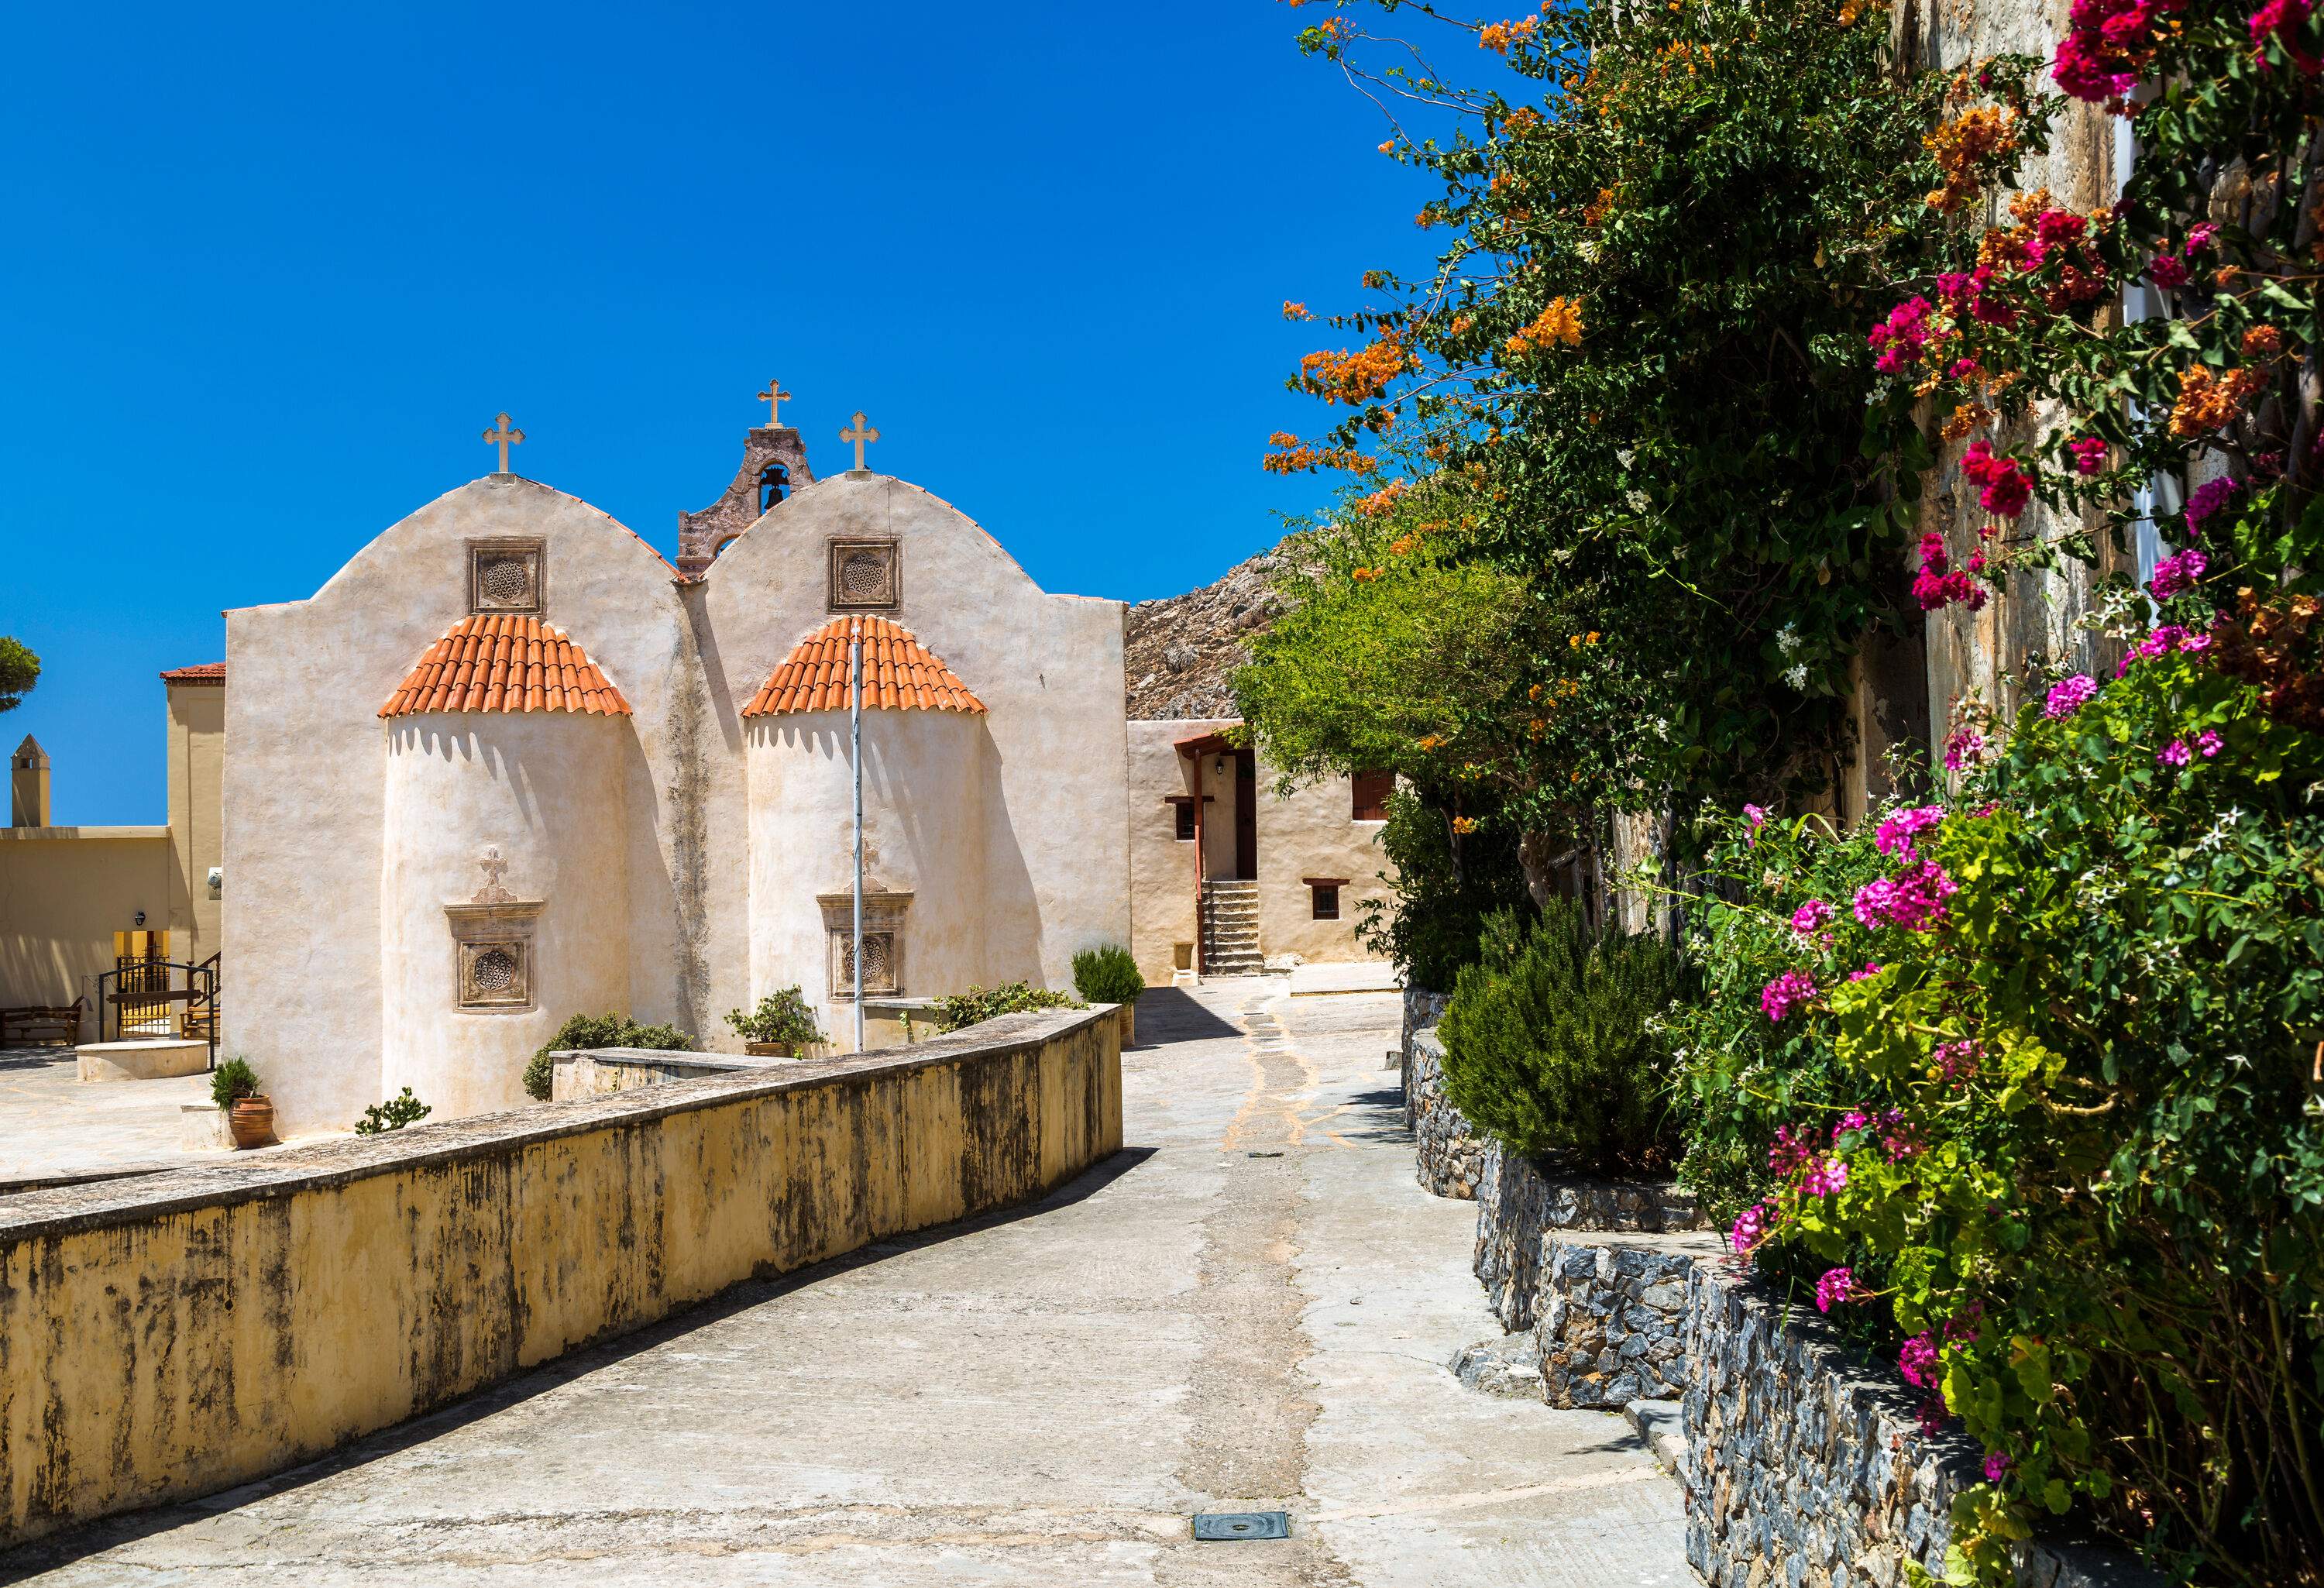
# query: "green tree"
20, 669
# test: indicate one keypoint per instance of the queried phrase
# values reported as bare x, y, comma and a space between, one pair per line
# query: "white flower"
1625, 454
1787, 638
1796, 675
1637, 500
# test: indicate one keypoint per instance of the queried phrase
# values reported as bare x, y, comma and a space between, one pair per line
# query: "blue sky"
271, 271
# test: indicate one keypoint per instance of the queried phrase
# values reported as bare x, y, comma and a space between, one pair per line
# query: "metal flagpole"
855, 755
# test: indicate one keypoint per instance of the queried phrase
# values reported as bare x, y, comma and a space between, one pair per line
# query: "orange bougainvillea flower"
1358, 377
1500, 35
1971, 139
2263, 342
1295, 311
1364, 576
2208, 400
1464, 823
1560, 320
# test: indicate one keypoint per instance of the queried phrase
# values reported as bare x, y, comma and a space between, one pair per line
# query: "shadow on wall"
51, 1553
1012, 910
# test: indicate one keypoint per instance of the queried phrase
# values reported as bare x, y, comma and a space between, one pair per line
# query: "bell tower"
774, 465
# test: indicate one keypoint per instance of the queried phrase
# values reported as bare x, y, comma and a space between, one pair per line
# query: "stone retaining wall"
1449, 1156
1611, 1318
1519, 1204
182, 1333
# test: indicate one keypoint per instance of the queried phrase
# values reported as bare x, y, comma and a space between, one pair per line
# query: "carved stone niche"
883, 941
866, 575
507, 575
492, 944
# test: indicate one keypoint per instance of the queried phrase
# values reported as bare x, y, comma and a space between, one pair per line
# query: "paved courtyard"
58, 1124
1248, 1309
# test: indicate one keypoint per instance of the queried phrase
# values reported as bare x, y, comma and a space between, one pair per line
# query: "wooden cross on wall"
504, 436
774, 397
861, 434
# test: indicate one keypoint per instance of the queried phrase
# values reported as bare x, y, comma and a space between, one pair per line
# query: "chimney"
28, 785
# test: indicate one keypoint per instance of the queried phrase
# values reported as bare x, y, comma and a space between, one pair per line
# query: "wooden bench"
50, 1022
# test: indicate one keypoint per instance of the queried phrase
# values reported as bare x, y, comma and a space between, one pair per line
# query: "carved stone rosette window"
883, 941
866, 575
492, 944
507, 575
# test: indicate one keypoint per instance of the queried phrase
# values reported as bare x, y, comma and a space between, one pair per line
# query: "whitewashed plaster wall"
1050, 754
1310, 831
926, 821
1161, 863
548, 791
305, 784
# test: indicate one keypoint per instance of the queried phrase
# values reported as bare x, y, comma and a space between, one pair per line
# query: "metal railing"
160, 998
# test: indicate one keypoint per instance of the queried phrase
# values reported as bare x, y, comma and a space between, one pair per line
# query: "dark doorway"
1245, 815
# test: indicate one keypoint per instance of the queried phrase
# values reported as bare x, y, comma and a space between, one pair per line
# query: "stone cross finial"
494, 868
774, 397
504, 435
861, 434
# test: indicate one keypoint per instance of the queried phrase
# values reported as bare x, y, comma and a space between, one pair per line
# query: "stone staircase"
1231, 929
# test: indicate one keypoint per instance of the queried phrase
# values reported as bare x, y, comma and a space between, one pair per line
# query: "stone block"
143, 1060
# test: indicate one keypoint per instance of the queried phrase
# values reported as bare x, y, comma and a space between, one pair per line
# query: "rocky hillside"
1182, 650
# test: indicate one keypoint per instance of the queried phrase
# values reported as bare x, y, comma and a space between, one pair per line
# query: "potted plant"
781, 1027
1110, 975
249, 1112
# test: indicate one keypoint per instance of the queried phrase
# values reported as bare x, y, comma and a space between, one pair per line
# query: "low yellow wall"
182, 1333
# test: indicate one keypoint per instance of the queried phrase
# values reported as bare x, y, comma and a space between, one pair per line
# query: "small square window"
1184, 816
1369, 792
1326, 898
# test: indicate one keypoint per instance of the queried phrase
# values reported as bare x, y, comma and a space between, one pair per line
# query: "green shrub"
1447, 884
1108, 976
1552, 1041
780, 1016
397, 1112
599, 1030
234, 1078
983, 1004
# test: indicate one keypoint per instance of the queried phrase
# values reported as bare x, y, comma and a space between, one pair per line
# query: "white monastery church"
510, 764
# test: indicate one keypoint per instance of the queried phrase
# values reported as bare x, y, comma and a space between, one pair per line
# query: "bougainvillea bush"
2034, 1085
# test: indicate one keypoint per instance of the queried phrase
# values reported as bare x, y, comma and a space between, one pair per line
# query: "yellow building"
77, 902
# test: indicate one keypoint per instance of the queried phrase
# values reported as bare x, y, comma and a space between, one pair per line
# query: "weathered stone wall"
1518, 1205
182, 1333
1448, 1155
1804, 1460
1611, 1318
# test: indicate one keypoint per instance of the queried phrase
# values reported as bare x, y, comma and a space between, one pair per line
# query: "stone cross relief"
774, 397
494, 868
861, 434
504, 435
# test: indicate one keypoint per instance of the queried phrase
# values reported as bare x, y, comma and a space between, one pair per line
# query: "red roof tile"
499, 663
208, 672
900, 673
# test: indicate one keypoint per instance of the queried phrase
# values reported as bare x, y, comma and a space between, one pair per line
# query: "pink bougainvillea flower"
2090, 455
2006, 487
2167, 270
1810, 917
1901, 826
1792, 990
1788, 1151
2280, 20
2209, 498
2174, 753
2068, 695
1826, 1178
1837, 1288
1917, 1361
2209, 741
2176, 575
1869, 971
1995, 1465
1964, 749
1914, 899
1957, 1061
1751, 1227
1902, 338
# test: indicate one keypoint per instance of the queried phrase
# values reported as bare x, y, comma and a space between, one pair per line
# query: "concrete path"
1249, 1308
59, 1124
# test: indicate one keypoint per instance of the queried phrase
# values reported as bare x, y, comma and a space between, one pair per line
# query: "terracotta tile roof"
900, 673
499, 662
208, 672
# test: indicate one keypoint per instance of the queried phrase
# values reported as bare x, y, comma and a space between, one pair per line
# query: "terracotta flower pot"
251, 1120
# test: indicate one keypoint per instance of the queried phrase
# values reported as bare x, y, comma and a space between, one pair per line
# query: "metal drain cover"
1243, 1524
